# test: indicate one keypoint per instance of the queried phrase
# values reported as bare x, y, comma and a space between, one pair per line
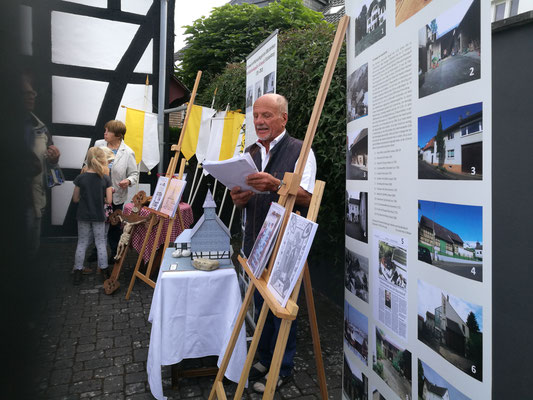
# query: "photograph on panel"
249, 97
356, 332
357, 96
392, 362
432, 386
452, 327
405, 9
356, 274
375, 394
357, 154
258, 90
390, 306
292, 254
354, 382
450, 144
450, 237
269, 83
357, 215
369, 23
449, 49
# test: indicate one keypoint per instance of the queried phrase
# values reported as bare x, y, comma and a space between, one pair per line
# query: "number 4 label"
473, 270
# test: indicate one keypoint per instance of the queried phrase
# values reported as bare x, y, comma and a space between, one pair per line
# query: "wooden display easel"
156, 217
290, 311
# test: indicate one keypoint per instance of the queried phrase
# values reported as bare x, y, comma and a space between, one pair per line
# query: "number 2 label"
471, 71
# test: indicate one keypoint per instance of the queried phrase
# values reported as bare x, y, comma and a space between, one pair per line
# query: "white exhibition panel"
145, 63
136, 6
92, 3
72, 149
61, 197
133, 190
135, 96
89, 42
76, 101
26, 35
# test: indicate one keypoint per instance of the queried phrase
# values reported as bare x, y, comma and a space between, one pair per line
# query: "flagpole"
162, 80
192, 183
223, 200
196, 191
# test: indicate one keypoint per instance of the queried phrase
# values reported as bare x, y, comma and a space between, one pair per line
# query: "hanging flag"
225, 129
142, 137
196, 135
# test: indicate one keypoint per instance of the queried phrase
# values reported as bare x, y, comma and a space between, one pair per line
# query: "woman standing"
123, 170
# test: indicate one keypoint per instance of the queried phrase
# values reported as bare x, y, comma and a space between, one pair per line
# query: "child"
89, 190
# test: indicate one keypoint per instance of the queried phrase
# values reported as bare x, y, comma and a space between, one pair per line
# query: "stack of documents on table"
233, 172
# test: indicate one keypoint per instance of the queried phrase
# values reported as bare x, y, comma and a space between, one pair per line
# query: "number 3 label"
473, 170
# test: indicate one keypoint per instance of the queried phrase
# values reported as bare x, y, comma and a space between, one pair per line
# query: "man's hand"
124, 183
52, 153
263, 181
240, 198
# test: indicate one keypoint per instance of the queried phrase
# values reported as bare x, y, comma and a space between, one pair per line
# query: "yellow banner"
230, 134
190, 136
135, 132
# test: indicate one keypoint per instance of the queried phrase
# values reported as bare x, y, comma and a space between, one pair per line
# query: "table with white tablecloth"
193, 314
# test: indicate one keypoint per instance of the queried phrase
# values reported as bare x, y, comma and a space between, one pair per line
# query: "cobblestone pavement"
88, 345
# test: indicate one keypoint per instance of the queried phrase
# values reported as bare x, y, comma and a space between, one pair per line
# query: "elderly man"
274, 153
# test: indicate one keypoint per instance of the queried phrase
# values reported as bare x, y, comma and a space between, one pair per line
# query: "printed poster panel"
261, 73
418, 265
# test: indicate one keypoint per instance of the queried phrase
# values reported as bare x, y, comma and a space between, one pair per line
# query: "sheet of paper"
233, 172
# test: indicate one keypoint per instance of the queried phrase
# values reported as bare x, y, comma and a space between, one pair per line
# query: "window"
451, 135
471, 128
499, 12
333, 10
514, 7
451, 153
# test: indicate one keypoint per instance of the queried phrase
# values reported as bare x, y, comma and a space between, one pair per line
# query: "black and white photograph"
266, 238
269, 81
356, 274
393, 264
354, 382
291, 257
357, 96
249, 97
356, 332
450, 144
357, 215
357, 154
258, 90
433, 386
388, 298
370, 23
159, 193
392, 362
449, 49
450, 237
452, 327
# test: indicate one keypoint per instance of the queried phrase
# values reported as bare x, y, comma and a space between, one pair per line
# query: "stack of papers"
233, 172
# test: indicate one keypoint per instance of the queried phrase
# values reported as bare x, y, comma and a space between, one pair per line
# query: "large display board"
418, 299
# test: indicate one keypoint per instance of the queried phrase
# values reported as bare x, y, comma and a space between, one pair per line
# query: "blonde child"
90, 188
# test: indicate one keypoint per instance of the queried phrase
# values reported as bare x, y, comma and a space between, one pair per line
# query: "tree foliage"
230, 33
441, 148
471, 322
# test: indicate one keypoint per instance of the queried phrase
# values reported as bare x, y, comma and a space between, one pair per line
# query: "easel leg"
233, 339
314, 333
279, 350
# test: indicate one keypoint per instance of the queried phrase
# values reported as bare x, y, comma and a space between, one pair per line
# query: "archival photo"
449, 49
159, 193
266, 238
290, 260
357, 154
452, 327
370, 23
269, 83
357, 215
392, 362
357, 96
450, 144
258, 90
356, 332
405, 9
249, 97
354, 382
432, 386
450, 237
356, 274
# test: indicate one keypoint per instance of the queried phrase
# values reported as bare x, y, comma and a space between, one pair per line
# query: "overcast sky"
189, 11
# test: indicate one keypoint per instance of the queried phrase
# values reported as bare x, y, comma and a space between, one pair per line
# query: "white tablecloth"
193, 314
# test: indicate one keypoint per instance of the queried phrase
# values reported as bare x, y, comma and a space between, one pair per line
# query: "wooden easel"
289, 312
157, 218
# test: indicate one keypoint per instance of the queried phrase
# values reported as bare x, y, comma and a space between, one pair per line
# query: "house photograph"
450, 144
452, 327
392, 362
357, 96
393, 264
357, 154
356, 274
405, 9
356, 332
434, 387
354, 382
447, 231
357, 215
369, 24
449, 48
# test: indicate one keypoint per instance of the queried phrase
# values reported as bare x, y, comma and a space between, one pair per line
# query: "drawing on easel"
264, 244
291, 257
159, 193
172, 197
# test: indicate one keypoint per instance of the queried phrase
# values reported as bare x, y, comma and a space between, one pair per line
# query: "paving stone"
86, 386
135, 367
82, 375
60, 376
109, 371
134, 388
136, 377
140, 355
114, 384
